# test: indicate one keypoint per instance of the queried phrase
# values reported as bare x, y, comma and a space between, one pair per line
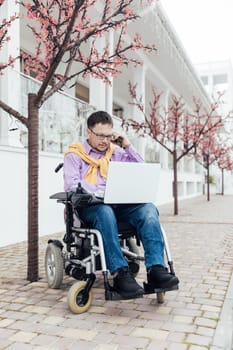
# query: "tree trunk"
222, 170
33, 156
175, 184
208, 182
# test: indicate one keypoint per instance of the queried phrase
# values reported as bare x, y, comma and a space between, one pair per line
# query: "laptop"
132, 183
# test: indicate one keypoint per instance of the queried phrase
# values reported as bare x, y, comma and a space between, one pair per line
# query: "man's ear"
88, 133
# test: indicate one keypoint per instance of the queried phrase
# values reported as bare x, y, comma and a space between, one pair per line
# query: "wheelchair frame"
84, 255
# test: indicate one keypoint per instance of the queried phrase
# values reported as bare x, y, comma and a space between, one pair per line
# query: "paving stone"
20, 346
4, 343
198, 339
62, 344
106, 347
176, 337
74, 333
205, 331
36, 309
44, 340
131, 340
5, 322
23, 337
149, 333
205, 322
158, 345
211, 315
176, 346
118, 320
210, 308
183, 319
177, 327
54, 320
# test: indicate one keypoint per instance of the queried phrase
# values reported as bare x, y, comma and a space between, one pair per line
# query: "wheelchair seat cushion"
126, 230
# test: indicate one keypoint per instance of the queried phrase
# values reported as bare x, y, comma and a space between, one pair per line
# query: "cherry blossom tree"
66, 33
210, 151
225, 162
175, 129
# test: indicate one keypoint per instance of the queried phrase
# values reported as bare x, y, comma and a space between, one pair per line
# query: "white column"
109, 87
139, 78
10, 81
163, 152
97, 86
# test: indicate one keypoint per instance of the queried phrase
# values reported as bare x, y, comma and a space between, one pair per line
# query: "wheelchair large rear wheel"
79, 300
54, 266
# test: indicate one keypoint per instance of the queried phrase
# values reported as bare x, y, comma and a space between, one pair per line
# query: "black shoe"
159, 277
125, 284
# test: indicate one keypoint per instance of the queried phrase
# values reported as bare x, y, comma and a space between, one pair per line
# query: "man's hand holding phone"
120, 140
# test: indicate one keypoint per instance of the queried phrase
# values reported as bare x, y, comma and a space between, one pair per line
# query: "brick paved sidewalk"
196, 317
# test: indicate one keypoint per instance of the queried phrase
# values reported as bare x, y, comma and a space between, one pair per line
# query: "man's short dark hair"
99, 117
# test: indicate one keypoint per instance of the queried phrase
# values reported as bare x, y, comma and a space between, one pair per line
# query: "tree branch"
61, 52
14, 113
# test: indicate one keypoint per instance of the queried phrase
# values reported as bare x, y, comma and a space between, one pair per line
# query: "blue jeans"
144, 217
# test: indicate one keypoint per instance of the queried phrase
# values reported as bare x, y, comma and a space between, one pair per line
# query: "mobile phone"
118, 140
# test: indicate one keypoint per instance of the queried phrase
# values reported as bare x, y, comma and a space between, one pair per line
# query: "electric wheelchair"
83, 254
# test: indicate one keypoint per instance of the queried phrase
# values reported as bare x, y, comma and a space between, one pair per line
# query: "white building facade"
63, 118
217, 77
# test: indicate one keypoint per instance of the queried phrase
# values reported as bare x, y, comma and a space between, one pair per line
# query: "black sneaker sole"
130, 295
165, 286
150, 289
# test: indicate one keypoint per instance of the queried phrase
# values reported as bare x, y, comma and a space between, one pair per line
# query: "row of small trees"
184, 133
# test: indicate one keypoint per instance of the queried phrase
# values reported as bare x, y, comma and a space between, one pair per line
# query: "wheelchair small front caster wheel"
54, 266
79, 300
160, 297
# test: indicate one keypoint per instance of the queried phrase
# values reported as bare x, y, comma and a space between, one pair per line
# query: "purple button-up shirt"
75, 168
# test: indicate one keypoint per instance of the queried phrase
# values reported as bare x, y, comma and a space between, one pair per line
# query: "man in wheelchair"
87, 164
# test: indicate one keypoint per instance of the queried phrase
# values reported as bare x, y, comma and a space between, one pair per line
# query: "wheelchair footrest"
112, 294
149, 289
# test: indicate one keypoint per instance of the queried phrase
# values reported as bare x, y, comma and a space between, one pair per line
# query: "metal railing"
62, 118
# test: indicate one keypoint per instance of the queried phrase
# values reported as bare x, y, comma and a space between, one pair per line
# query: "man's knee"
149, 212
105, 212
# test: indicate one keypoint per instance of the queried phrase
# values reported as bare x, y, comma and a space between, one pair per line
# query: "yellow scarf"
102, 163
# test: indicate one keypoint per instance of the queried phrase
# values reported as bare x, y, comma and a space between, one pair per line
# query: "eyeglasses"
101, 136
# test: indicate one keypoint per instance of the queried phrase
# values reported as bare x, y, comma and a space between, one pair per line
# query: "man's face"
100, 136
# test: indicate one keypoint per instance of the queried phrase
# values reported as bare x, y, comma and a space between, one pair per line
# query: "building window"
219, 79
117, 110
204, 79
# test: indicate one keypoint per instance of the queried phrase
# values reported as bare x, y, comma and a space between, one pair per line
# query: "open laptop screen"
132, 182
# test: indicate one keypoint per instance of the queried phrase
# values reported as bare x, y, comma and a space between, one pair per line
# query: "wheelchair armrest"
79, 198
61, 196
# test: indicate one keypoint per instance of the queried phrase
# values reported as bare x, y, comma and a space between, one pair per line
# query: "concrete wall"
13, 190
189, 185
